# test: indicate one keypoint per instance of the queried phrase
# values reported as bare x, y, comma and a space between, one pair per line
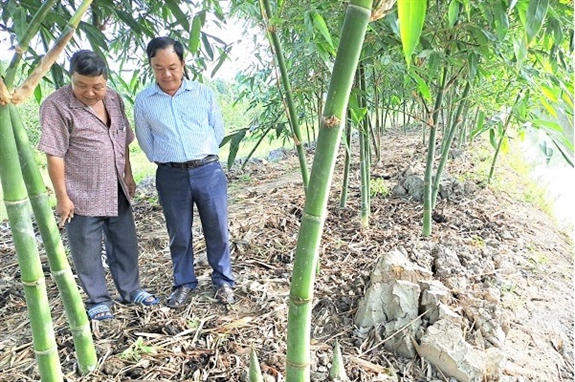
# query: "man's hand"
65, 209
131, 184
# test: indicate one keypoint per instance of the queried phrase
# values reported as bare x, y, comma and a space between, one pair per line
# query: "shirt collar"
187, 85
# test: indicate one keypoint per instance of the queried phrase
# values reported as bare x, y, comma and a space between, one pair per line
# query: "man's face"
168, 70
89, 90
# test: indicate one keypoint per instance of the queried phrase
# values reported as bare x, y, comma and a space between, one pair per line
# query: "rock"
408, 172
414, 186
494, 364
113, 366
397, 266
446, 261
399, 190
456, 153
444, 346
470, 188
277, 155
395, 304
433, 293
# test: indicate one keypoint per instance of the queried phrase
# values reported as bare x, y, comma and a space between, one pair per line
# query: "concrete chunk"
444, 346
395, 265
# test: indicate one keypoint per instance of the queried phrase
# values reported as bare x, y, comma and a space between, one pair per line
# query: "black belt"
192, 163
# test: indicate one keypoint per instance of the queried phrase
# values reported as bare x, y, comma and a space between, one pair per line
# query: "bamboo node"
299, 301
40, 281
77, 330
61, 271
297, 365
5, 96
331, 121
47, 351
19, 50
317, 219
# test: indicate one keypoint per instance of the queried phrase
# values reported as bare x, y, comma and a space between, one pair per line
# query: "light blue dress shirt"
178, 128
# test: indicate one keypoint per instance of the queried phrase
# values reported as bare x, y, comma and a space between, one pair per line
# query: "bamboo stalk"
447, 144
363, 149
24, 42
346, 165
292, 115
427, 201
20, 219
307, 252
59, 266
503, 135
27, 88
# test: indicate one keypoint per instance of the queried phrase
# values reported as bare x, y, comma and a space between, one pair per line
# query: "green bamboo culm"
59, 266
364, 156
346, 165
292, 115
20, 219
307, 252
447, 144
427, 179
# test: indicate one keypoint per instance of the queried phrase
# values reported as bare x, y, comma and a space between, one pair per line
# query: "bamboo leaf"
38, 93
521, 7
129, 20
548, 107
481, 127
94, 36
501, 20
411, 18
467, 7
207, 46
520, 49
547, 125
321, 26
194, 41
422, 87
174, 7
549, 93
472, 62
505, 145
453, 12
535, 15
492, 138
221, 60
235, 146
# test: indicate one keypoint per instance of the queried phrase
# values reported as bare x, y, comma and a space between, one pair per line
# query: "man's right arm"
143, 131
64, 206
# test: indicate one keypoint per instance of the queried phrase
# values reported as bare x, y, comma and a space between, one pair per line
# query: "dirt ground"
513, 259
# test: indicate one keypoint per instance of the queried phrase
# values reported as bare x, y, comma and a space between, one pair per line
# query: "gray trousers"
119, 233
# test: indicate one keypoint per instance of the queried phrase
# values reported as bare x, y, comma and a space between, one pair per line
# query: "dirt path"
512, 258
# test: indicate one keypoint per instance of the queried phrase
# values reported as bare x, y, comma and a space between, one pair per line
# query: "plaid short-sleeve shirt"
94, 154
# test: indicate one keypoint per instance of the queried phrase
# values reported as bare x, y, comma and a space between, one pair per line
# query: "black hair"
159, 43
88, 63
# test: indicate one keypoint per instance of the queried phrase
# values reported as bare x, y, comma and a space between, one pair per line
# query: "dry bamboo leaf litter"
207, 342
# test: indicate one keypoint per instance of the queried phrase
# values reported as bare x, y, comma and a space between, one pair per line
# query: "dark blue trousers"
85, 235
206, 187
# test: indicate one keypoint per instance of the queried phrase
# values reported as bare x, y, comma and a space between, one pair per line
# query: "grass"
512, 176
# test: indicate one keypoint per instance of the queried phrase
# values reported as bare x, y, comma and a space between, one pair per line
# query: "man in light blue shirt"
179, 126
